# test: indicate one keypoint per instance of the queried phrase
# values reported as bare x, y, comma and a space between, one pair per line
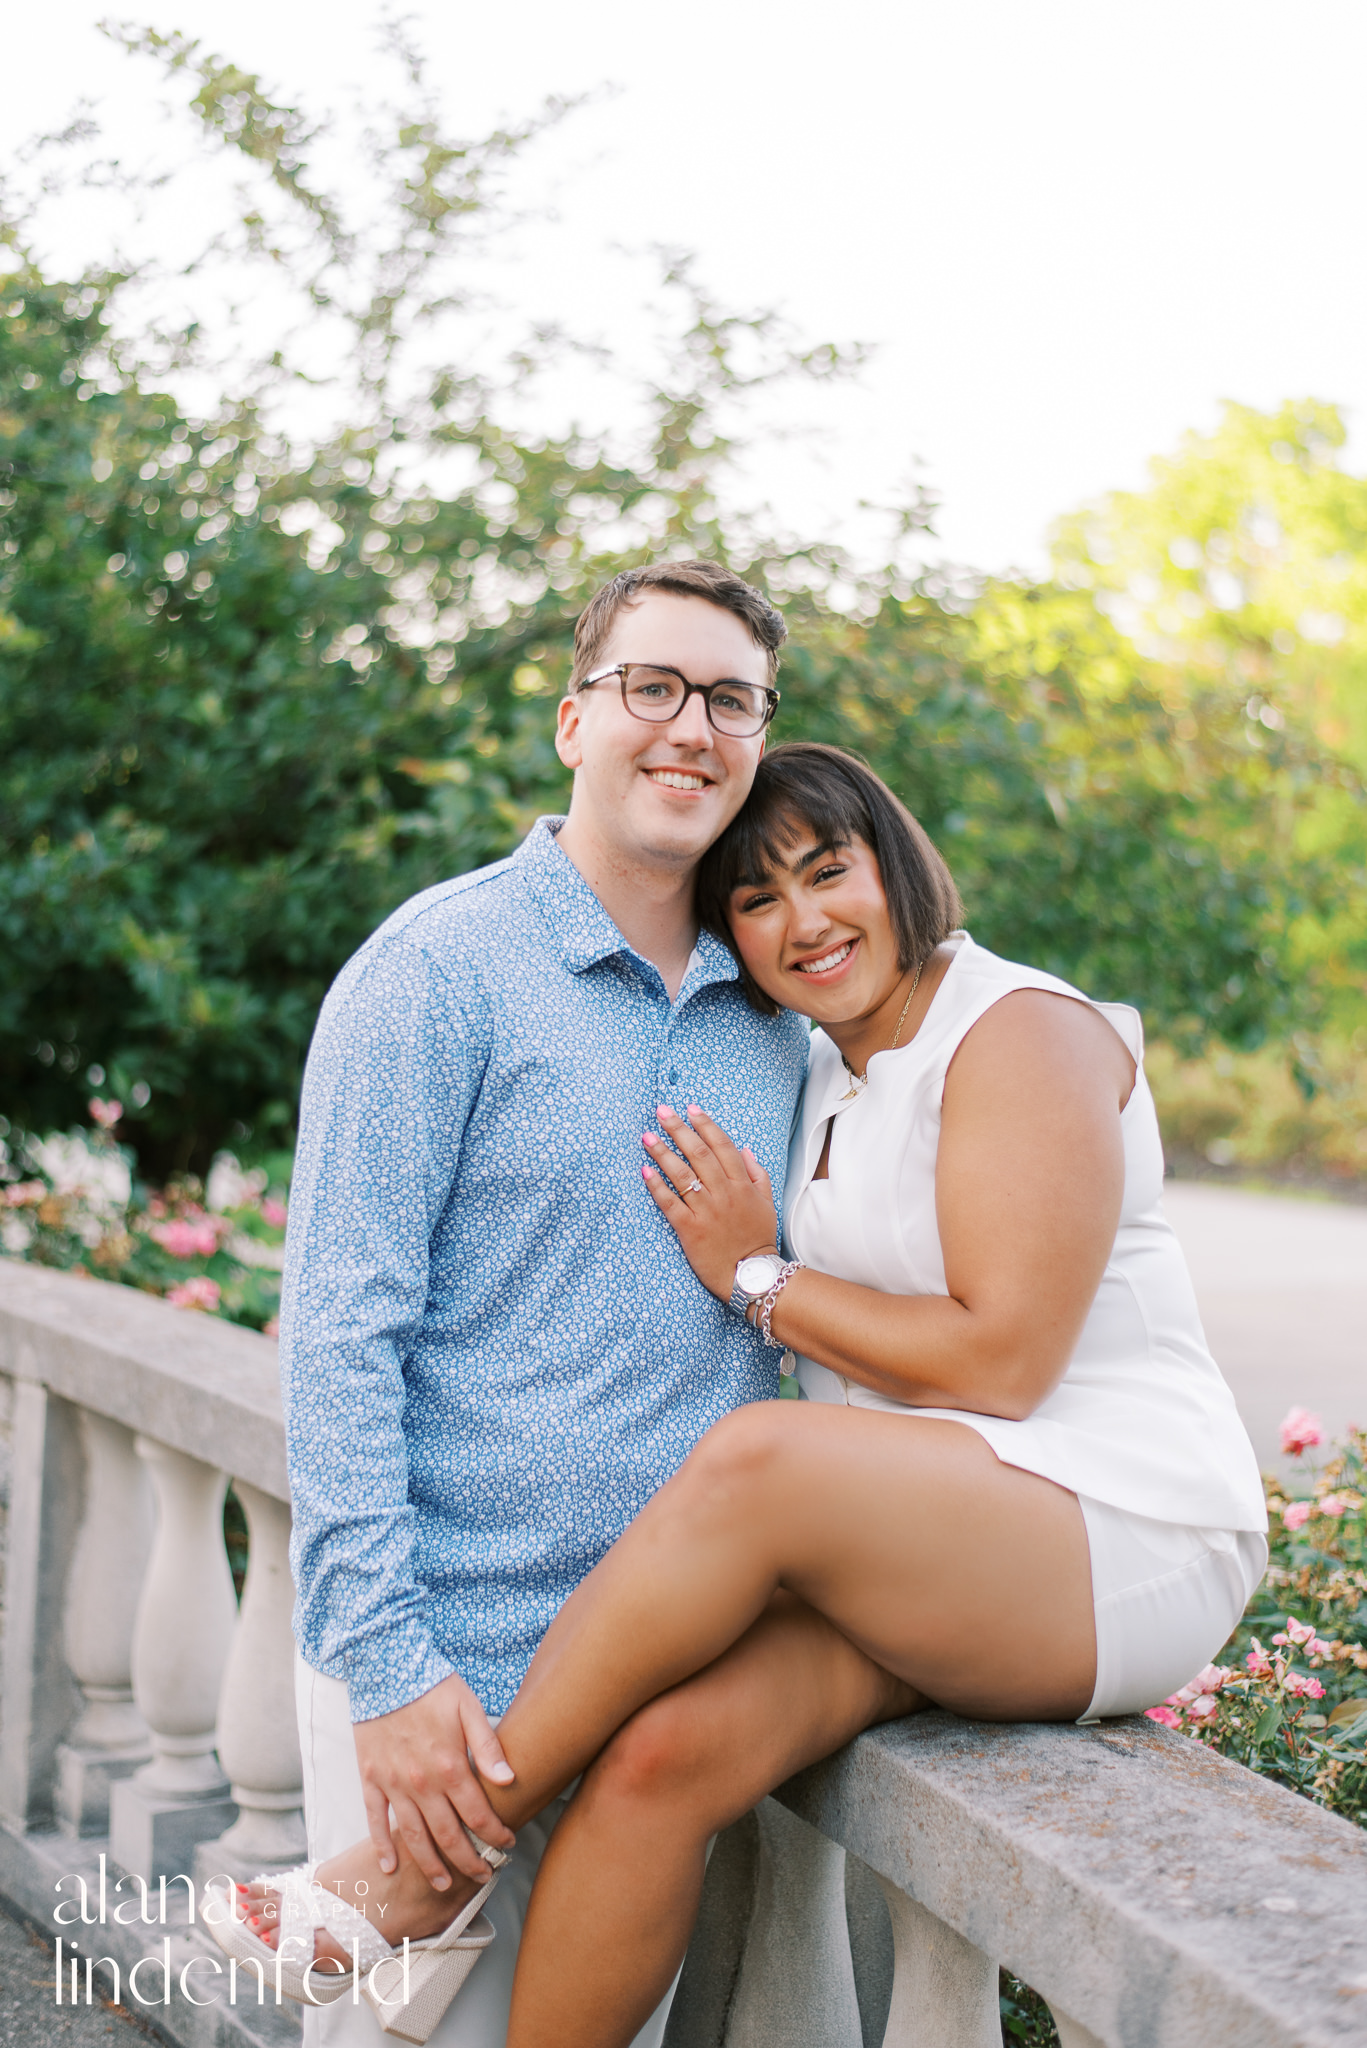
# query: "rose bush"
1289, 1698
71, 1200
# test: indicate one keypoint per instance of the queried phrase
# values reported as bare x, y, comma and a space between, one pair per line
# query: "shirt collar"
584, 931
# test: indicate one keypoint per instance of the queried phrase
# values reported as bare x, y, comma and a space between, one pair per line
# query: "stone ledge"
202, 1386
1154, 1892
30, 1866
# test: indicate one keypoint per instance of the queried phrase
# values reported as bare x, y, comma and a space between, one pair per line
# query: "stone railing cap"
1117, 1869
191, 1381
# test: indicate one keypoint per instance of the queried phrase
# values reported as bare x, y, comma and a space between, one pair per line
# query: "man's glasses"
656, 695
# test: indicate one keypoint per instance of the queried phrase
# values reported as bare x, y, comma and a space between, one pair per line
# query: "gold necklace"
861, 1080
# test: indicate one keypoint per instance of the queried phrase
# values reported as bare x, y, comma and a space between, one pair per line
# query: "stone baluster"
258, 1738
181, 1638
110, 1738
38, 1699
944, 1990
796, 1987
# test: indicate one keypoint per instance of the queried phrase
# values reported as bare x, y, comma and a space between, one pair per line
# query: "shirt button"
673, 1077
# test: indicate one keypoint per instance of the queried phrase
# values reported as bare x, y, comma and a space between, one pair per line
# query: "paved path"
29, 2014
1282, 1283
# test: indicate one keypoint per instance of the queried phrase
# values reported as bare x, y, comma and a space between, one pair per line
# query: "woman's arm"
1028, 1187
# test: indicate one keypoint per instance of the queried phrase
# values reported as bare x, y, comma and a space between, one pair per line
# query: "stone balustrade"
1155, 1895
145, 1718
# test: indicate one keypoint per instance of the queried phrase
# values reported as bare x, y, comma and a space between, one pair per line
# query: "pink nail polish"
647, 1173
694, 1109
664, 1110
649, 1138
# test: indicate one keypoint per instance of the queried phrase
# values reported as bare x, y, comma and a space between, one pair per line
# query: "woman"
1017, 1487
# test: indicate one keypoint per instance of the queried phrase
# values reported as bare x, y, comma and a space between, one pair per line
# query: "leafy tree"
254, 693
1241, 575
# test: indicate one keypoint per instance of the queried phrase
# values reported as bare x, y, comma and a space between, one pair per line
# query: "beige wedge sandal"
408, 1986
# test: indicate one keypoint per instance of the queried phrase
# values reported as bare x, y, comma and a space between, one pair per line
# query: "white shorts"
1166, 1598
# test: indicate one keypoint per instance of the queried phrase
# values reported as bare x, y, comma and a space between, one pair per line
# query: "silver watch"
754, 1277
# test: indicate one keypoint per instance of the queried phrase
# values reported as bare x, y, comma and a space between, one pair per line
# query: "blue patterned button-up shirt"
493, 1350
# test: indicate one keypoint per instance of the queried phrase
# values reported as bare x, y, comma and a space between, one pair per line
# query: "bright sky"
1068, 231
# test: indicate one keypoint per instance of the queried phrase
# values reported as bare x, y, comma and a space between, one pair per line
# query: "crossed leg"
931, 1563
617, 1891
910, 1567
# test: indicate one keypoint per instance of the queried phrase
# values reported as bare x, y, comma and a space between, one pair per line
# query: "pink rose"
105, 1114
198, 1292
1204, 1707
1296, 1632
1335, 1504
23, 1192
1300, 1431
185, 1239
1164, 1716
274, 1213
1301, 1687
1258, 1661
1296, 1514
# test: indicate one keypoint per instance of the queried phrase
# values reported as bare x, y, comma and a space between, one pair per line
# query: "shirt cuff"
392, 1669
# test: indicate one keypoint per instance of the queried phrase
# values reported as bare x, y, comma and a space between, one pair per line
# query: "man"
493, 1350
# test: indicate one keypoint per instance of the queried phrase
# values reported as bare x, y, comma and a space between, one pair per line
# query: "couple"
574, 1175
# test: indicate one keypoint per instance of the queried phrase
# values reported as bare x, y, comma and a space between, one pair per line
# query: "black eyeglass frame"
623, 670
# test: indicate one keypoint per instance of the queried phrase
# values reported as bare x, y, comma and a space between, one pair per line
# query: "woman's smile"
830, 965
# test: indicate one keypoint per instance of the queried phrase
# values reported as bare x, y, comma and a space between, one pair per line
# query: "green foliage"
1026, 2020
1243, 572
200, 804
1300, 1119
253, 694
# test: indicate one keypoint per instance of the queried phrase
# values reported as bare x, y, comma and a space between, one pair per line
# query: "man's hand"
414, 1760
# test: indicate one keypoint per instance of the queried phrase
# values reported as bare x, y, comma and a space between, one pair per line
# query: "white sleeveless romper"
1141, 1427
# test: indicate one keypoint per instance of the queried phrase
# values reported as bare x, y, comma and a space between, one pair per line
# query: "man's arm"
394, 1067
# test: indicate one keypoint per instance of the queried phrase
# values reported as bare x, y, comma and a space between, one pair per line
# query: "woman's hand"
725, 1218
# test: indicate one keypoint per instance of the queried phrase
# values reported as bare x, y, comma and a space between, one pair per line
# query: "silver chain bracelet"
764, 1308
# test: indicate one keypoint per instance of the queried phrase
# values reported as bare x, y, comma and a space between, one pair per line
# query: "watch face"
756, 1275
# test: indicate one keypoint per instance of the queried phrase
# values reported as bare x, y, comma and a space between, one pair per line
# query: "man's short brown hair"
707, 580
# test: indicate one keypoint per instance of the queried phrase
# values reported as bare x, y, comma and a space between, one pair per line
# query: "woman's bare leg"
617, 1891
965, 1577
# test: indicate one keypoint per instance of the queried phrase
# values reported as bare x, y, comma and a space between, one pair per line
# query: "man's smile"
679, 778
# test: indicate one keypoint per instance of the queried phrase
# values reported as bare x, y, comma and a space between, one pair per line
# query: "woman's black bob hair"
802, 787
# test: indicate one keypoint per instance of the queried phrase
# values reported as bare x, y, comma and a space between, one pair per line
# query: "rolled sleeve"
393, 1070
